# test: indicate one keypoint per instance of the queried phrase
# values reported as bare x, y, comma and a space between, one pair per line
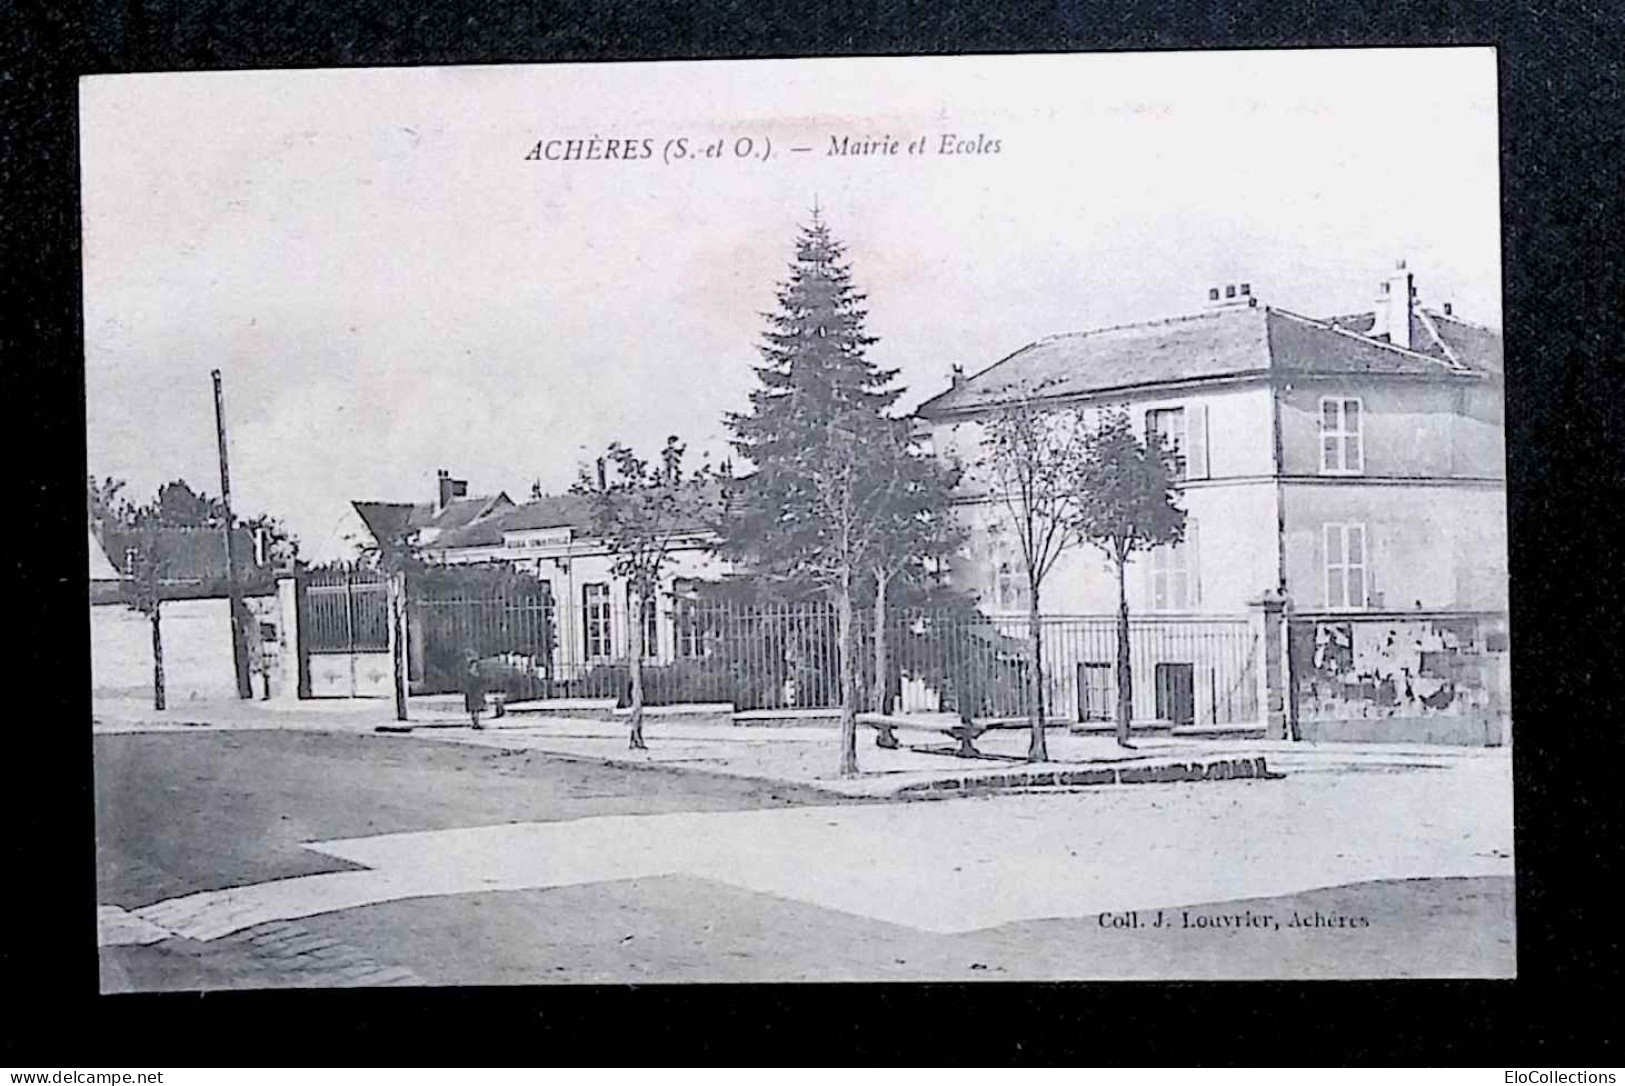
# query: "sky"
389, 287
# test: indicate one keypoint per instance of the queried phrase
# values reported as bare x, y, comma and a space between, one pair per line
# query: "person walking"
474, 692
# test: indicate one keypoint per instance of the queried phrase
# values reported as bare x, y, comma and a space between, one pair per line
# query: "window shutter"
1193, 563
1196, 437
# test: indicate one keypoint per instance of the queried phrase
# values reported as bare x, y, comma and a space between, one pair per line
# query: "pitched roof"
1231, 341
1440, 335
189, 555
547, 511
100, 568
384, 519
1474, 344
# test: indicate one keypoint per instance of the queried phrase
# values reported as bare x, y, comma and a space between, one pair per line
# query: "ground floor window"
687, 642
1095, 691
1176, 693
595, 620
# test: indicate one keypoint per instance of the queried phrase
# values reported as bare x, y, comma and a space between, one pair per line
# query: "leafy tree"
640, 509
105, 502
812, 509
1125, 503
914, 533
178, 505
1032, 455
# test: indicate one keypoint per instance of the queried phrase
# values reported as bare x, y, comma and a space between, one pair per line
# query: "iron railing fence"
1186, 670
511, 635
345, 611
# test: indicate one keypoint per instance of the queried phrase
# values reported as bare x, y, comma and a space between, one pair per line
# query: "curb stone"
1254, 768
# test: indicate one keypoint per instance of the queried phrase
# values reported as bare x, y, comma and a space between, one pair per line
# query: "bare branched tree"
1032, 454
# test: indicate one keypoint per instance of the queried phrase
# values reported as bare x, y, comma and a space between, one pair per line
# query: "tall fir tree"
814, 509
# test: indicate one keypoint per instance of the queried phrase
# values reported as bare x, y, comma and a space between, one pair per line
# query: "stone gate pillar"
287, 598
1269, 628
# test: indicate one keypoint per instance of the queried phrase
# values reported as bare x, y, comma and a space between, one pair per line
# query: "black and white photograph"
888, 519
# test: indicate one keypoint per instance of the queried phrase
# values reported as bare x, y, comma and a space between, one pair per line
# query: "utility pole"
239, 646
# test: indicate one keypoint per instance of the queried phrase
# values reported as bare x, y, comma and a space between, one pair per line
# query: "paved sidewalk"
117, 715
792, 754
809, 755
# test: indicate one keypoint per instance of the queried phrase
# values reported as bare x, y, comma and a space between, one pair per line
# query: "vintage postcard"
893, 519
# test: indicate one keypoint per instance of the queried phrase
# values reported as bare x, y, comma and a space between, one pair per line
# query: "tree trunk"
882, 664
1125, 674
634, 740
397, 640
849, 715
1037, 749
157, 657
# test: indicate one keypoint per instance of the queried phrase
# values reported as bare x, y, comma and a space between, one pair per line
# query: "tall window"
1347, 582
687, 641
1167, 425
651, 625
1342, 448
595, 620
1095, 700
1010, 586
1174, 585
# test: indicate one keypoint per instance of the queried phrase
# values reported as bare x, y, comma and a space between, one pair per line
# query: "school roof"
546, 511
1224, 343
387, 519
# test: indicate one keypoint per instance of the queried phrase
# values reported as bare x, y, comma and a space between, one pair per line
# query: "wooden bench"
886, 728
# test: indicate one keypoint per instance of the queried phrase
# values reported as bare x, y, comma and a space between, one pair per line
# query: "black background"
1561, 106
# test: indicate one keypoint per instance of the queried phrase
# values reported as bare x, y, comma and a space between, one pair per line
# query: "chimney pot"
958, 377
1447, 309
1395, 300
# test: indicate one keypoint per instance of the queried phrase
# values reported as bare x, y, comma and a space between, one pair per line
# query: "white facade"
593, 605
1230, 555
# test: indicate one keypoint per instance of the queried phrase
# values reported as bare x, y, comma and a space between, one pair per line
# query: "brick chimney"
1396, 296
957, 378
448, 488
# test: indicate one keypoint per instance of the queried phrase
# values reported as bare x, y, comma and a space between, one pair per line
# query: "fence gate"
344, 634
